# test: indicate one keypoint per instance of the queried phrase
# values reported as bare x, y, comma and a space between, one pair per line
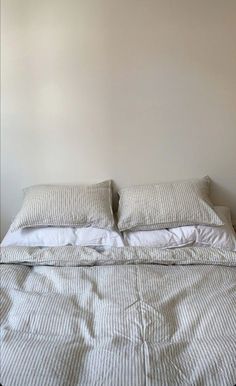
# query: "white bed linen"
220, 237
61, 236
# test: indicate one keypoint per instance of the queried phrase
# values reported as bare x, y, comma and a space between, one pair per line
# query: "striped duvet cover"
126, 317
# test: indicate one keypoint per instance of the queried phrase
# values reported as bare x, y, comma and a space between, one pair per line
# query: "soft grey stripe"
121, 325
166, 205
82, 256
66, 205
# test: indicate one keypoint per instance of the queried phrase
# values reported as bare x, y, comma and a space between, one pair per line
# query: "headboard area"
135, 91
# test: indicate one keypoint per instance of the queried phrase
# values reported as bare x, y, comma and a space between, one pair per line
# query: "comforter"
127, 316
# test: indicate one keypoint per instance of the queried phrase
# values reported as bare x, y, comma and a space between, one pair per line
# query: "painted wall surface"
133, 90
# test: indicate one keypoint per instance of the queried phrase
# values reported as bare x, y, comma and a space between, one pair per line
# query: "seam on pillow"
177, 225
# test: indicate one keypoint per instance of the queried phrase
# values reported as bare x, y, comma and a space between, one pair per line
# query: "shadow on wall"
222, 196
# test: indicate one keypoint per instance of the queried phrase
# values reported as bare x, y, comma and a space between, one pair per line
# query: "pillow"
220, 237
161, 238
54, 237
66, 206
166, 205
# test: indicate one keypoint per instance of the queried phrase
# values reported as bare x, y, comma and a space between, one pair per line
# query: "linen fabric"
128, 316
61, 236
67, 206
166, 205
197, 235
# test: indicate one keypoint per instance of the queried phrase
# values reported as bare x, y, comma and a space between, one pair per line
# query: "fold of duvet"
125, 316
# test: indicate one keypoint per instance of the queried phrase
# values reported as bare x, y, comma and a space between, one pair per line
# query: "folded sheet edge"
85, 256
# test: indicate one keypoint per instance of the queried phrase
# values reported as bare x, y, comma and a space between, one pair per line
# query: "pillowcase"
55, 237
220, 237
166, 205
66, 206
161, 238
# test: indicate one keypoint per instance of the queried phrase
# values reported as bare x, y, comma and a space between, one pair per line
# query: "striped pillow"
166, 205
66, 206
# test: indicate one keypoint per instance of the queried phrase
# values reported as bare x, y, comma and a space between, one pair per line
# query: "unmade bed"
146, 307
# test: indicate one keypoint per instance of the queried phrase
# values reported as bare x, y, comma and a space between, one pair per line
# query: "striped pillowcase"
166, 205
66, 206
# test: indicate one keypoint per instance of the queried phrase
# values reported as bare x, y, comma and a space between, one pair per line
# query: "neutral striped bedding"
129, 316
66, 206
166, 205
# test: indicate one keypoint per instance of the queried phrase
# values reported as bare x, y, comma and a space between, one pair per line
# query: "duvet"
124, 317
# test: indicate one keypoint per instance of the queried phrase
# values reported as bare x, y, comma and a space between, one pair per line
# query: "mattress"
126, 316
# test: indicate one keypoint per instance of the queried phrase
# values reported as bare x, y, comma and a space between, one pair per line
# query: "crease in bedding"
126, 316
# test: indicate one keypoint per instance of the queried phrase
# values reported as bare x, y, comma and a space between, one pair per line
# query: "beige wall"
134, 90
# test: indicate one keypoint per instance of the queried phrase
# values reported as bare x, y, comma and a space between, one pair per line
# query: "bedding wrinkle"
144, 347
50, 313
5, 305
93, 286
124, 317
156, 327
182, 378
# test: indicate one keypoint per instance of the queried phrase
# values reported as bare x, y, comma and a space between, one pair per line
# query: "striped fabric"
66, 205
166, 205
117, 323
75, 256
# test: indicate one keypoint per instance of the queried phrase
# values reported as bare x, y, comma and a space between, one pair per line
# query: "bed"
125, 316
